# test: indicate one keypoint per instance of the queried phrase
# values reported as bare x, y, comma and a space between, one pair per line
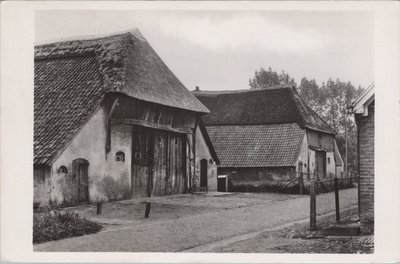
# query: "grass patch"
54, 225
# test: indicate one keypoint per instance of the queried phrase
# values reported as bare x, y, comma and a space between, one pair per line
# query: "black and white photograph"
205, 130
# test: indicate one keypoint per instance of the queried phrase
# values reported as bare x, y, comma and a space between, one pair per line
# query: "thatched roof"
275, 105
128, 64
72, 78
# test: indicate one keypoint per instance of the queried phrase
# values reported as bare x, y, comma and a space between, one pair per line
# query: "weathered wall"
41, 185
319, 140
303, 155
88, 144
324, 142
330, 164
202, 152
108, 179
366, 141
311, 161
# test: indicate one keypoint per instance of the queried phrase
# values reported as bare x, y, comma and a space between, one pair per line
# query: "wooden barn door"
158, 182
203, 173
142, 153
176, 181
81, 180
158, 162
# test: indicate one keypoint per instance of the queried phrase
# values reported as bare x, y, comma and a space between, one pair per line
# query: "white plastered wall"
103, 171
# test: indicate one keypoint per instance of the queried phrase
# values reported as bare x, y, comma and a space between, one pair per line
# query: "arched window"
120, 156
63, 169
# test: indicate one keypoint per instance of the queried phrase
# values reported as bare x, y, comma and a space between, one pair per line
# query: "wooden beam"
110, 107
114, 104
194, 151
151, 125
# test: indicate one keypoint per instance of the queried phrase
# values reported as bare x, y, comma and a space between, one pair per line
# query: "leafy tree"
265, 79
330, 101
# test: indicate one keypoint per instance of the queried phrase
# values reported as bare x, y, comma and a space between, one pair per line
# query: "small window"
137, 155
329, 160
210, 161
120, 156
305, 165
63, 169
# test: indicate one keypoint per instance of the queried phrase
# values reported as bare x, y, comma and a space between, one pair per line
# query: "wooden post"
147, 211
99, 208
193, 176
337, 200
313, 207
227, 183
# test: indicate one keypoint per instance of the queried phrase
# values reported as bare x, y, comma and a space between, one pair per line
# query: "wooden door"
203, 173
320, 157
80, 180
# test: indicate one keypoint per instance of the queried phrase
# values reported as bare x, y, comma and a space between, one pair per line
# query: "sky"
221, 49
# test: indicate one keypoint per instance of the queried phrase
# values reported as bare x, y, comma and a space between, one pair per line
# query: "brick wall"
366, 137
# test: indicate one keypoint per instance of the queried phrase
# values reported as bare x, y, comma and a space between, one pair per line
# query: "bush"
55, 225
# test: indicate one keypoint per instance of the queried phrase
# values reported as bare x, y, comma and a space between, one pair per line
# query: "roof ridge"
83, 38
217, 92
364, 93
315, 114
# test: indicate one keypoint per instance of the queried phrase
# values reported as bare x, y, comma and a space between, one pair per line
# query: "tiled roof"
67, 91
274, 145
128, 64
260, 106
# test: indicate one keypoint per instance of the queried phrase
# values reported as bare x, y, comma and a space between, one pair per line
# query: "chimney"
197, 89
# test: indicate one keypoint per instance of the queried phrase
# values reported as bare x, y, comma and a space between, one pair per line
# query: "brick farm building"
363, 109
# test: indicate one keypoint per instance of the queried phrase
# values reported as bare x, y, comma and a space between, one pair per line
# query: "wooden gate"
80, 180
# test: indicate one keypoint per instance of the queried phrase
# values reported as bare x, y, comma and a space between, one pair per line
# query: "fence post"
99, 208
337, 200
301, 182
313, 207
147, 209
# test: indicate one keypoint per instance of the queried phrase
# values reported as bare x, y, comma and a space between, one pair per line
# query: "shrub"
55, 225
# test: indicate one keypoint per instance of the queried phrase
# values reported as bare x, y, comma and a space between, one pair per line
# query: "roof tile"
274, 145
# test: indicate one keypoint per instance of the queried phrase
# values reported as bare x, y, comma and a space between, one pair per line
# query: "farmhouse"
363, 109
111, 121
268, 137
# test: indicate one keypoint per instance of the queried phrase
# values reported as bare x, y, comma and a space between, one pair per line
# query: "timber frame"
124, 110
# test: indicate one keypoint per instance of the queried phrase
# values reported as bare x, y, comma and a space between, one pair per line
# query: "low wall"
267, 180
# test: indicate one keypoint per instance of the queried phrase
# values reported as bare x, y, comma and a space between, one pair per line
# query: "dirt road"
190, 231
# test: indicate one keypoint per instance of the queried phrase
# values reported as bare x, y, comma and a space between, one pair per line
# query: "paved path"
193, 231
